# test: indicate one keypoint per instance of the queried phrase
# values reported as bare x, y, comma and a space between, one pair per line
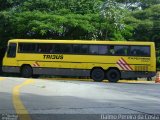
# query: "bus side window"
111, 50
52, 49
66, 48
27, 48
140, 51
121, 50
84, 49
44, 48
134, 52
93, 49
102, 49
79, 49
76, 49
12, 50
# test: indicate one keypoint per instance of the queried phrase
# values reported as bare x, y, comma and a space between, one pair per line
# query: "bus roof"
81, 41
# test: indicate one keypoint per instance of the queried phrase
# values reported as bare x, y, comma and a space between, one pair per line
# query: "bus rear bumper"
10, 69
135, 74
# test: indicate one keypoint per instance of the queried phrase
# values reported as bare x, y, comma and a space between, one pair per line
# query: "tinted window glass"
27, 48
11, 50
84, 49
44, 48
121, 50
62, 48
93, 49
66, 48
57, 48
140, 51
80, 49
111, 50
76, 49
102, 49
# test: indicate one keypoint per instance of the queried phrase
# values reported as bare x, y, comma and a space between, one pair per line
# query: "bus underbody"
96, 73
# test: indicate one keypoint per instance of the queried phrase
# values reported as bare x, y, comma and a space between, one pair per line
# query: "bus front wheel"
113, 75
26, 71
97, 74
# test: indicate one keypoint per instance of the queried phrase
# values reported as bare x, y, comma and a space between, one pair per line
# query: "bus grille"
141, 68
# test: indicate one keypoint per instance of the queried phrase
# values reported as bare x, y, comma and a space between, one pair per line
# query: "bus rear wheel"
113, 75
26, 71
97, 74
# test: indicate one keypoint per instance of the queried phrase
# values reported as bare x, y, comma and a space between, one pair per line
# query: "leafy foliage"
147, 27
80, 19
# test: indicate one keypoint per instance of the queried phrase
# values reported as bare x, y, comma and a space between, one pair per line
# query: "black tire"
26, 71
113, 75
97, 74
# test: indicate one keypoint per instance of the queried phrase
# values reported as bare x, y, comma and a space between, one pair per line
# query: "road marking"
2, 79
18, 104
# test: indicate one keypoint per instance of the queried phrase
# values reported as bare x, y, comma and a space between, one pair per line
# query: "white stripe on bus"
125, 64
121, 65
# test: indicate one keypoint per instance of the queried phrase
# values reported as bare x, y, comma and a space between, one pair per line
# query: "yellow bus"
112, 60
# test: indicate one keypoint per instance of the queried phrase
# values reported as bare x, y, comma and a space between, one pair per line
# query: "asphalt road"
36, 99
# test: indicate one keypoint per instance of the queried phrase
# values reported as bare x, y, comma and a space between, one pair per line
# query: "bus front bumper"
10, 69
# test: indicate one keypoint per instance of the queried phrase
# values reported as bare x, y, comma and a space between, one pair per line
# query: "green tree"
138, 4
59, 19
147, 27
112, 14
148, 3
51, 19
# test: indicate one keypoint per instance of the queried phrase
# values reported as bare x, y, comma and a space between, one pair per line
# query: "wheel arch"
95, 68
113, 68
25, 65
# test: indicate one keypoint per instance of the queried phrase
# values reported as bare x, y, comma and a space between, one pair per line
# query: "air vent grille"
141, 68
